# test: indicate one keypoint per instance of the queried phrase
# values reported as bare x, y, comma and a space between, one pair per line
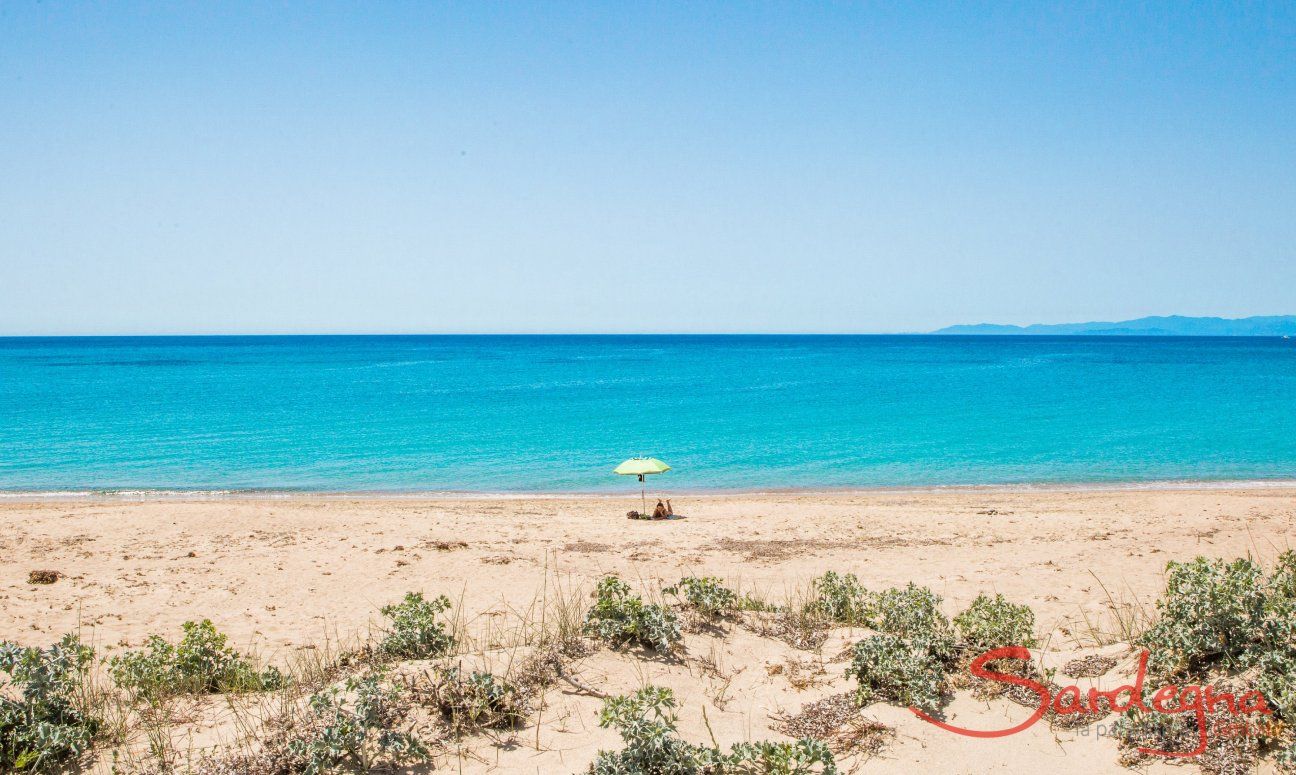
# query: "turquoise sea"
557, 413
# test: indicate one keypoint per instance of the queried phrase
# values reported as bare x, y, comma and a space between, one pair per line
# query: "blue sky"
421, 167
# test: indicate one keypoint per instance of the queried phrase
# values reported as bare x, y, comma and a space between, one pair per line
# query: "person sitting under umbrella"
641, 467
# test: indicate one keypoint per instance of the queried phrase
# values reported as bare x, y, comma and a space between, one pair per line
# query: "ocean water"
557, 413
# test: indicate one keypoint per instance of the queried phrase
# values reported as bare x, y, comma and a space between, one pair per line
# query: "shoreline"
135, 494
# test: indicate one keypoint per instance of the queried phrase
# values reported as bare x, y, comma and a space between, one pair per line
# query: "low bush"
1274, 655
45, 724
891, 669
415, 631
647, 723
355, 726
1231, 626
476, 701
1277, 680
619, 616
990, 623
913, 613
1286, 758
1212, 612
201, 663
841, 599
768, 758
706, 595
1234, 743
1282, 582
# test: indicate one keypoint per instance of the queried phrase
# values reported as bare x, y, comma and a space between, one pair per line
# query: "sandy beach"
285, 575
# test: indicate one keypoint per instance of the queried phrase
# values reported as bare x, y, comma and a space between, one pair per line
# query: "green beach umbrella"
641, 467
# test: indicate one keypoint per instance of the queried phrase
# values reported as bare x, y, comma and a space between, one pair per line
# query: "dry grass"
776, 548
1092, 666
838, 722
793, 620
1123, 618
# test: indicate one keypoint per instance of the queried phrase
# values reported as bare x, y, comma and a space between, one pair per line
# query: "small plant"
45, 724
1282, 582
706, 595
618, 616
841, 599
355, 727
1277, 680
1286, 758
913, 613
476, 701
767, 758
647, 723
1212, 611
994, 622
415, 632
890, 669
201, 663
1274, 655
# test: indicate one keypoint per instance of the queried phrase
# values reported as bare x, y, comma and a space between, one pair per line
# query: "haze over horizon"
680, 168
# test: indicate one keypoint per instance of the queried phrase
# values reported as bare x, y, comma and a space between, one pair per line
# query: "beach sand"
285, 575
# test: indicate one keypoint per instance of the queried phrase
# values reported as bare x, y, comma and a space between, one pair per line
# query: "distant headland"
1172, 325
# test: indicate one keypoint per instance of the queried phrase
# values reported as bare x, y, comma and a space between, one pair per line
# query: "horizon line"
937, 333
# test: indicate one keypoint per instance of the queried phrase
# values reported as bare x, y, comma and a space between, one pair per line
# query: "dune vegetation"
426, 689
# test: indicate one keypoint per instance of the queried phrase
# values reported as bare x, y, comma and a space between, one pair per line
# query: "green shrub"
767, 758
1286, 758
618, 616
994, 622
841, 599
1216, 615
913, 613
890, 669
354, 727
1282, 582
646, 721
706, 595
476, 701
1211, 612
201, 663
415, 632
1277, 680
1136, 729
44, 724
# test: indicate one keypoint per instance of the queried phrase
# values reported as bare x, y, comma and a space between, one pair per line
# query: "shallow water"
500, 414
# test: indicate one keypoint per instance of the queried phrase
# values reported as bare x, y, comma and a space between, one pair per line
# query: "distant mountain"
1174, 325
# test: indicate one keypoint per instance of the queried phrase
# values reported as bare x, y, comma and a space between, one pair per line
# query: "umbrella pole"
643, 494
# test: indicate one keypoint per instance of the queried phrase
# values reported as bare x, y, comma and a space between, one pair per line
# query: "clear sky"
430, 167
